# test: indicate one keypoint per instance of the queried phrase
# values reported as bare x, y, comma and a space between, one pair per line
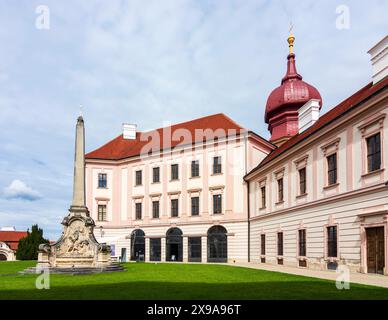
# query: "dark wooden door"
375, 250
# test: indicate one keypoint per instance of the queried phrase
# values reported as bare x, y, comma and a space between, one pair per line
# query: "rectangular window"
217, 203
302, 181
332, 169
138, 210
332, 242
262, 237
139, 178
217, 167
302, 242
155, 249
195, 168
102, 180
174, 208
195, 206
156, 175
155, 209
195, 249
174, 172
280, 190
263, 199
101, 212
374, 152
280, 243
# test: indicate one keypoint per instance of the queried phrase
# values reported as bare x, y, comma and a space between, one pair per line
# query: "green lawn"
178, 281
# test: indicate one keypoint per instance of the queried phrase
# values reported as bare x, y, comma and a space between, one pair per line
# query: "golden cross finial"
291, 38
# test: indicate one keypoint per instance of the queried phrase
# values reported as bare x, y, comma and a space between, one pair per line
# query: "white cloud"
19, 190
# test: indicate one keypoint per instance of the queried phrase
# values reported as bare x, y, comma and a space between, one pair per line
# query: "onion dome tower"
281, 112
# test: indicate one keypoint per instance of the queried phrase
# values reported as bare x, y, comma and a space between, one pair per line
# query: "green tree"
29, 245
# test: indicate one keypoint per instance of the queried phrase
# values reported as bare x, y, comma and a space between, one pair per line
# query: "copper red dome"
291, 94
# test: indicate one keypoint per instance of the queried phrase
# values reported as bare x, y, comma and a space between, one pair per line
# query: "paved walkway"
368, 279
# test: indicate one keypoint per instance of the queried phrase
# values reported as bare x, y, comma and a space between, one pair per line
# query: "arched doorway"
3, 257
138, 245
217, 244
174, 245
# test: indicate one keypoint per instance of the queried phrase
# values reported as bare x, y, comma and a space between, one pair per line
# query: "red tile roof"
338, 111
120, 148
11, 238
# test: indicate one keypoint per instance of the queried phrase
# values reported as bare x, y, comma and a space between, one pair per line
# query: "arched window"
217, 244
137, 245
174, 245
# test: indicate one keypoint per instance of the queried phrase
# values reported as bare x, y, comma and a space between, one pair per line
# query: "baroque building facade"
314, 195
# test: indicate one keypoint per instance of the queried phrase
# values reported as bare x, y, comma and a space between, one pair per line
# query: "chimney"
308, 114
129, 131
379, 59
7, 229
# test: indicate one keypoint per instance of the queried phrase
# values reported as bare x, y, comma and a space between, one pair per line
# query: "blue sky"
148, 62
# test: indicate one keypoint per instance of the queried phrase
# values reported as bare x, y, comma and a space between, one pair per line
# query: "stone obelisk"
78, 206
77, 248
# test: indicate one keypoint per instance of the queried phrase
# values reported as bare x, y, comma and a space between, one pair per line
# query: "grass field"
177, 281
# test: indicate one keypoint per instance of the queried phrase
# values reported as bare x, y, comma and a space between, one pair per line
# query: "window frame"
334, 156
217, 166
367, 139
138, 212
100, 180
304, 242
262, 244
174, 208
194, 214
103, 213
263, 191
280, 188
154, 175
327, 242
138, 176
217, 203
195, 168
302, 190
280, 243
155, 213
174, 173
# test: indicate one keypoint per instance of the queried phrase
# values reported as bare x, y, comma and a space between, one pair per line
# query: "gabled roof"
120, 148
341, 109
11, 238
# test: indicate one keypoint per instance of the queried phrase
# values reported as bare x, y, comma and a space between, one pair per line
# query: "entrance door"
3, 257
174, 245
375, 249
138, 245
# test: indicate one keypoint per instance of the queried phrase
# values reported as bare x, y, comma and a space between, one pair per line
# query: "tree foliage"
29, 245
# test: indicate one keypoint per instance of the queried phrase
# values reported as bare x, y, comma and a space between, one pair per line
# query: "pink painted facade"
358, 200
319, 199
238, 155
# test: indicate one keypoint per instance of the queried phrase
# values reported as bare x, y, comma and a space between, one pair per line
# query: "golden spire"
291, 39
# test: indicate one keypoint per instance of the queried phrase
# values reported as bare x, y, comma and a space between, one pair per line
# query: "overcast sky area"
147, 62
